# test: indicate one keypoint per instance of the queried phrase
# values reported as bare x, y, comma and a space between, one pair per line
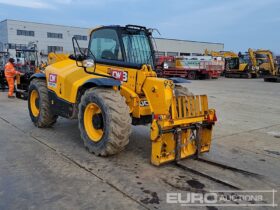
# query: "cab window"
137, 47
105, 45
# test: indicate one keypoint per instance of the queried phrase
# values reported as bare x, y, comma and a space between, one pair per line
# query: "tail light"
212, 117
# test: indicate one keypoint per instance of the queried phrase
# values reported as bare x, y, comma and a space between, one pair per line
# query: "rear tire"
109, 134
39, 107
192, 75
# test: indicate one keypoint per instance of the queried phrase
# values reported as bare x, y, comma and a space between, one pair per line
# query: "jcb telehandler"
113, 85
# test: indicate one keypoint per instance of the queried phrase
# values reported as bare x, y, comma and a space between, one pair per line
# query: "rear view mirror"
82, 57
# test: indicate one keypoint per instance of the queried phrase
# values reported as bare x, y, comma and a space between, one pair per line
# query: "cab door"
107, 49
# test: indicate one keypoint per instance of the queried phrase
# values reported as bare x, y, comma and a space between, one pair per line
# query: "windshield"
137, 47
232, 63
26, 57
262, 58
244, 59
105, 45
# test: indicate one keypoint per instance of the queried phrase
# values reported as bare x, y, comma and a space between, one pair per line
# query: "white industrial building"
48, 37
175, 47
15, 34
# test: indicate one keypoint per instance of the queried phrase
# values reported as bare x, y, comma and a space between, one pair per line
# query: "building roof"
183, 40
171, 39
43, 23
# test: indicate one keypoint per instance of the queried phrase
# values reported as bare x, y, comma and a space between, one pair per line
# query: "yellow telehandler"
112, 85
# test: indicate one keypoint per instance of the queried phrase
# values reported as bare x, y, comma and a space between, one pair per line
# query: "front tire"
104, 121
39, 105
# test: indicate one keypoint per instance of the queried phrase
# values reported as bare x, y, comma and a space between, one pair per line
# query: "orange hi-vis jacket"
10, 70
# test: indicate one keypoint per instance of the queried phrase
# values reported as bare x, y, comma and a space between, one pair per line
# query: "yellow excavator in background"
113, 85
264, 62
236, 66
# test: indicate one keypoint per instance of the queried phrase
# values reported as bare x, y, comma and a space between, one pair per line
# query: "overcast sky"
239, 24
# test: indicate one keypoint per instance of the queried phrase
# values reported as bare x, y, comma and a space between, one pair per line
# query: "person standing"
10, 73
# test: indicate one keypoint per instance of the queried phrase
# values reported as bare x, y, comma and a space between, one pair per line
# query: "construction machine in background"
276, 77
264, 61
4, 56
236, 65
114, 85
269, 66
191, 67
28, 64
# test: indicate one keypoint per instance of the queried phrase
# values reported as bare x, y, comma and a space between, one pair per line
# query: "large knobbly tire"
45, 117
182, 91
113, 116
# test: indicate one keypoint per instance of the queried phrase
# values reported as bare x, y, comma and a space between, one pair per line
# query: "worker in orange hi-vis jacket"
10, 73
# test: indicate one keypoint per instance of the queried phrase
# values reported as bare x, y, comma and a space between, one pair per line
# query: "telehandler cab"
112, 85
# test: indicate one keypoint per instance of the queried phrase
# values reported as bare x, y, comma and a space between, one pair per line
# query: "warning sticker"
52, 80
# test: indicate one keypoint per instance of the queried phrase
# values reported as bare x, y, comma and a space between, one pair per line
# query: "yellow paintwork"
70, 78
159, 93
186, 111
142, 85
224, 54
268, 65
56, 57
93, 133
146, 95
252, 58
34, 109
242, 66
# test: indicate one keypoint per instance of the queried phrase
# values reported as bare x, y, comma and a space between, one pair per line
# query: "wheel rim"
191, 75
34, 103
93, 122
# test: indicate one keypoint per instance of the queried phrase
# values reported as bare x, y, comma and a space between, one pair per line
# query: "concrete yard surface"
51, 169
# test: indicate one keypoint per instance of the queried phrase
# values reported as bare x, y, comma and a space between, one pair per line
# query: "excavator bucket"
185, 132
